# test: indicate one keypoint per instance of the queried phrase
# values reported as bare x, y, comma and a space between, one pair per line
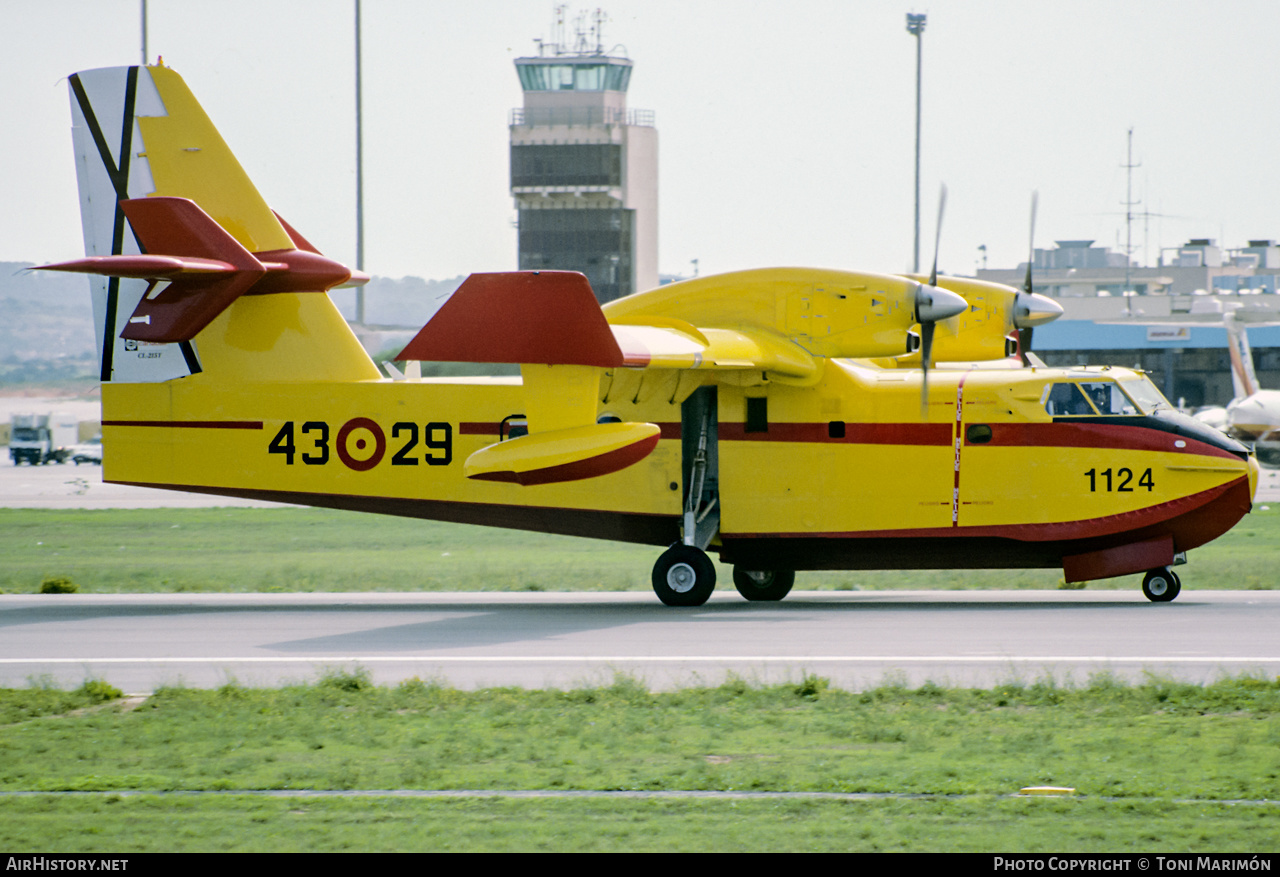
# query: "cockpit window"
1108, 398
1144, 393
1066, 399
1101, 397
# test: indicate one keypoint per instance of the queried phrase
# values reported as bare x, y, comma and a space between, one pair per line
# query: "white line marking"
667, 659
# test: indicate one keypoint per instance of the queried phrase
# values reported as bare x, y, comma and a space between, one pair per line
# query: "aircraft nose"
1253, 476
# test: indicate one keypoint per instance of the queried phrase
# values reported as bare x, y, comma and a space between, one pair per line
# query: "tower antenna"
1129, 204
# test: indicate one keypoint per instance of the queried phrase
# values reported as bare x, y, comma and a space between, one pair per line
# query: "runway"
855, 639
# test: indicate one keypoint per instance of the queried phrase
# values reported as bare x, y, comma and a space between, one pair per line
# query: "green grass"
245, 824
1155, 767
248, 550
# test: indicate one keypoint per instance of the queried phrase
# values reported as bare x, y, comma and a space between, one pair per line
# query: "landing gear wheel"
767, 584
684, 576
1161, 585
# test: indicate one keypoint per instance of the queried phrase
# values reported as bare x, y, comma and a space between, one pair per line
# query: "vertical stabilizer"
112, 166
1243, 379
140, 135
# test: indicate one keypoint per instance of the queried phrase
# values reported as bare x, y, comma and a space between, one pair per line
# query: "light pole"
915, 27
359, 174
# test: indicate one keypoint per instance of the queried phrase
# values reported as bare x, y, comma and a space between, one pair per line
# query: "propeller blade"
937, 238
932, 305
926, 354
1031, 248
1031, 309
1024, 344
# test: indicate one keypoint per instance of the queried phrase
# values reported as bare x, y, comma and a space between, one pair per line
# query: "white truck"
42, 438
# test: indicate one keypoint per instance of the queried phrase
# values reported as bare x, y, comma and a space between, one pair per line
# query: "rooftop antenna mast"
600, 18
580, 29
557, 29
1129, 204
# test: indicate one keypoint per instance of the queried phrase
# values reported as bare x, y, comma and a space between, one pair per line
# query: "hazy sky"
786, 127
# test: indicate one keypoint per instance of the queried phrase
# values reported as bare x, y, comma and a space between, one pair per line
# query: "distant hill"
390, 301
43, 315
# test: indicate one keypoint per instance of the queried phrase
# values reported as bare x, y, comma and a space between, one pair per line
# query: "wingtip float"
786, 418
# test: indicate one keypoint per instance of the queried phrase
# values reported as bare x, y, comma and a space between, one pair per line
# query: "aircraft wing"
552, 325
775, 324
553, 318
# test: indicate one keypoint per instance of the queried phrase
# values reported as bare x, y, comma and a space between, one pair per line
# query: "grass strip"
1156, 766
249, 824
287, 549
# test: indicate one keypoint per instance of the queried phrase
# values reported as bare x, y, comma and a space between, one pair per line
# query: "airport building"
1102, 325
584, 168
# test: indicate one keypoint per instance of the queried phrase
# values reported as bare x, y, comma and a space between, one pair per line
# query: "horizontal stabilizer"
547, 317
202, 267
564, 454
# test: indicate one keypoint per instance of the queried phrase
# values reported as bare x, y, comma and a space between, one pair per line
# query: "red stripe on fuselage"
188, 424
669, 430
854, 433
473, 428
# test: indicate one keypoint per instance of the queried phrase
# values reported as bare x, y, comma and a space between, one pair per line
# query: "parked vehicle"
41, 438
88, 452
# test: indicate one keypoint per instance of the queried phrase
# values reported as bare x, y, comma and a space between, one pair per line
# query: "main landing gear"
768, 584
685, 576
1161, 585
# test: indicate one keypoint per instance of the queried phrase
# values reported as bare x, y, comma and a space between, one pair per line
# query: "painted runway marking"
667, 659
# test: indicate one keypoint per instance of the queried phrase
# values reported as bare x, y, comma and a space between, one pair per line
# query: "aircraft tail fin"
1243, 378
194, 272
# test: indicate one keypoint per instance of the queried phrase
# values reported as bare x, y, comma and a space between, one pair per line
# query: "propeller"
1031, 309
934, 304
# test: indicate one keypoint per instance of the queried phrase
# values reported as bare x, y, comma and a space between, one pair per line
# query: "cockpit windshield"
1085, 398
1144, 392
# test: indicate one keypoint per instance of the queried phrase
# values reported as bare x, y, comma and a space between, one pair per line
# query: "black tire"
684, 576
768, 584
1161, 585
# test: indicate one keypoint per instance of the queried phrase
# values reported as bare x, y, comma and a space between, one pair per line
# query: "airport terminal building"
1101, 325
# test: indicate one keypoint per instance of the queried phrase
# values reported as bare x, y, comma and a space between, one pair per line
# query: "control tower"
584, 168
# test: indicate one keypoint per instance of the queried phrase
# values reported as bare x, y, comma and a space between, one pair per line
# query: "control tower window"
566, 164
574, 77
